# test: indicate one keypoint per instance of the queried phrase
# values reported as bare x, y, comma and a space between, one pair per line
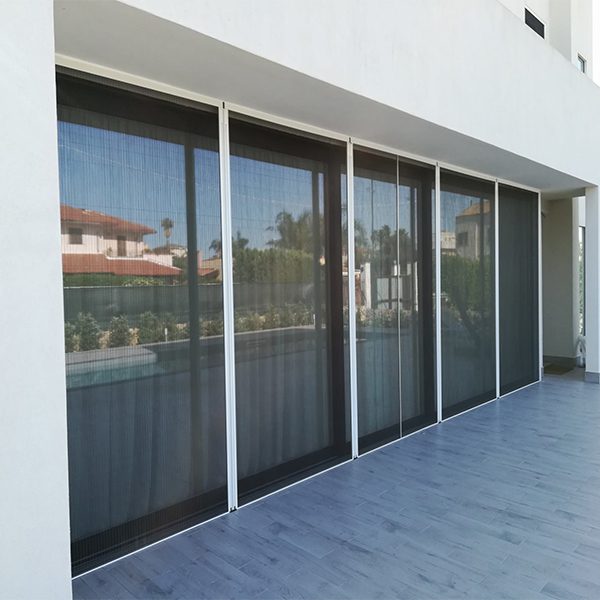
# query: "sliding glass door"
140, 228
286, 203
394, 352
468, 294
518, 274
415, 276
140, 206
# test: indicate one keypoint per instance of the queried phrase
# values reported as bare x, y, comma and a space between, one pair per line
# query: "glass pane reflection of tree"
286, 409
467, 269
393, 296
143, 320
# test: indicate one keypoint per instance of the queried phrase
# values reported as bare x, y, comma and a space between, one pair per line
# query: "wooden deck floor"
501, 502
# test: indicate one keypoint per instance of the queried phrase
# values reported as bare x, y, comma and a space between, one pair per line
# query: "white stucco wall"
34, 510
94, 242
583, 32
568, 24
90, 239
468, 66
559, 259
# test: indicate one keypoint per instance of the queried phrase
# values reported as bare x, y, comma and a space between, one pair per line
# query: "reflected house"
210, 269
473, 237
94, 242
448, 242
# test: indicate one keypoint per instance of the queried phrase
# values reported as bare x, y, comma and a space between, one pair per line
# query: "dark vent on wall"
535, 23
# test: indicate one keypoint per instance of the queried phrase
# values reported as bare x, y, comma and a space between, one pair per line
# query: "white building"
182, 102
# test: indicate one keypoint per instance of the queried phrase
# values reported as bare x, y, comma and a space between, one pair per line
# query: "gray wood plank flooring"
501, 502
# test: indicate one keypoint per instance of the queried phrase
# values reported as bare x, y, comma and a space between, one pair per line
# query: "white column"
34, 499
592, 280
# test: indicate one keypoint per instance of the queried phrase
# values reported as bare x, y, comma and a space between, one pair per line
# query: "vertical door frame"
398, 310
352, 297
228, 308
540, 293
497, 282
438, 294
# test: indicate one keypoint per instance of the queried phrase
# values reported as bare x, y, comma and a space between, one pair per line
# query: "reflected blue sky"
138, 179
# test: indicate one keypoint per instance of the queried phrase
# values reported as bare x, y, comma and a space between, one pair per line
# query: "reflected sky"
138, 179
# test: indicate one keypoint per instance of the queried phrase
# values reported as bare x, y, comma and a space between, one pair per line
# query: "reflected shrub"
250, 321
272, 319
150, 329
119, 333
296, 315
210, 327
70, 337
174, 330
87, 331
381, 317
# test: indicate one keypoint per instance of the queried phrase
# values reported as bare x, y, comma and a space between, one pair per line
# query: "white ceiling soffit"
119, 37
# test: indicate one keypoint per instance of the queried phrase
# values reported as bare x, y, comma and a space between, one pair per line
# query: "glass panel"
393, 297
377, 339
415, 274
518, 279
467, 271
287, 254
143, 312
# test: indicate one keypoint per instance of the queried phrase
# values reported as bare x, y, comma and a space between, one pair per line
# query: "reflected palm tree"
167, 225
238, 243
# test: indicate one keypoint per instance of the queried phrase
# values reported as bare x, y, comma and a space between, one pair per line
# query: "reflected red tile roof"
475, 209
98, 263
70, 214
207, 271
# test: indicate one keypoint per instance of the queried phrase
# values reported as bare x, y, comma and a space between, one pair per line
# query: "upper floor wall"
567, 23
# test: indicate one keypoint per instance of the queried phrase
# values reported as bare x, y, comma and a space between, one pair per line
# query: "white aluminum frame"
438, 293
284, 122
393, 152
128, 78
352, 297
540, 292
398, 311
228, 309
497, 282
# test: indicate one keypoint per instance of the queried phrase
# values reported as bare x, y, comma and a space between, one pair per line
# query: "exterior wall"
90, 239
93, 242
470, 226
496, 67
583, 38
568, 25
109, 246
34, 508
560, 306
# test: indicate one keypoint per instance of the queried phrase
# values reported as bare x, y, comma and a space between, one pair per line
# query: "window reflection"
143, 327
518, 276
290, 413
393, 297
467, 271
